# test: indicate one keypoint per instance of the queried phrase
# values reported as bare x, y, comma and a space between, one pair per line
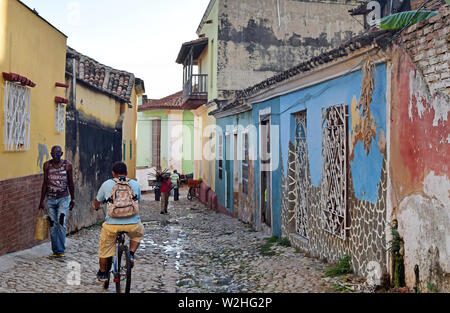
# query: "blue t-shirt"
105, 193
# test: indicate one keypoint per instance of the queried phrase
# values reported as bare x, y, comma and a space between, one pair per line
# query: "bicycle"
121, 266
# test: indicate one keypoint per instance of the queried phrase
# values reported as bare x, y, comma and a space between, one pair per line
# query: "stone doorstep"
8, 261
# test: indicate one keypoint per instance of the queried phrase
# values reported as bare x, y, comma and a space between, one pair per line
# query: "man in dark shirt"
57, 185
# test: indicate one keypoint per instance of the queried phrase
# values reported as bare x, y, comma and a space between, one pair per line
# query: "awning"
197, 45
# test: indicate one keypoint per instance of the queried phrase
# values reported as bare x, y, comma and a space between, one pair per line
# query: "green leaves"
398, 21
343, 267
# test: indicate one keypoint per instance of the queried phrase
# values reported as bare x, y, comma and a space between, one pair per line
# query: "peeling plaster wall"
92, 148
258, 39
93, 145
420, 158
243, 206
367, 172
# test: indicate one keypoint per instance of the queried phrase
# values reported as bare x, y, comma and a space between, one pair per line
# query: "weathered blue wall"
365, 238
366, 169
220, 183
225, 124
274, 105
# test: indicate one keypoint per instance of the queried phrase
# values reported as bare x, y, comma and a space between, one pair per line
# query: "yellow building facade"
93, 118
31, 48
101, 127
32, 63
204, 59
108, 98
107, 111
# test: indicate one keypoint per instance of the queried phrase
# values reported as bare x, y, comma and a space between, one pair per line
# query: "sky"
138, 36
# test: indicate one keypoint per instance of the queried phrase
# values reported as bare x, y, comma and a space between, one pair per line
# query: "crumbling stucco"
258, 39
420, 155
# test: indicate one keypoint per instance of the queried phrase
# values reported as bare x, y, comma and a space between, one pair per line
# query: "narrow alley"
314, 133
192, 250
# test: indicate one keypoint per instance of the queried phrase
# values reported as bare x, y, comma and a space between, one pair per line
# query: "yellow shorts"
108, 236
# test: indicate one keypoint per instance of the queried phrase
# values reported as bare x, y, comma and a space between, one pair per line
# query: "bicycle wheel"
123, 274
189, 195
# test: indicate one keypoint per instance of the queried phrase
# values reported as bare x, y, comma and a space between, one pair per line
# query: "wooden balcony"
195, 86
195, 91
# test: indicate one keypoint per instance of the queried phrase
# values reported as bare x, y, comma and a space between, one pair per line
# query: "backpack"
123, 202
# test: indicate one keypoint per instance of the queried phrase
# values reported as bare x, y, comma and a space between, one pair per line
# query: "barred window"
334, 168
60, 117
298, 180
17, 117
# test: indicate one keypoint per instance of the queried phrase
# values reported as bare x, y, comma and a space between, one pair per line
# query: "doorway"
266, 181
228, 172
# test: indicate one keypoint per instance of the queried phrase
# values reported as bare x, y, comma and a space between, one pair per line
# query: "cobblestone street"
190, 250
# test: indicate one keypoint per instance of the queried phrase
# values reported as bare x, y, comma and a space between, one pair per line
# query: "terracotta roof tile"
172, 102
115, 83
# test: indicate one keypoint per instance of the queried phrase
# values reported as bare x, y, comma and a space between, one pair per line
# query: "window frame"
16, 96
60, 117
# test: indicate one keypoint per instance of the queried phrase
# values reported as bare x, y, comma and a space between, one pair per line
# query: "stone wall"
366, 237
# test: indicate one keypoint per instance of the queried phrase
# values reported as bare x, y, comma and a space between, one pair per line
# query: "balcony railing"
196, 85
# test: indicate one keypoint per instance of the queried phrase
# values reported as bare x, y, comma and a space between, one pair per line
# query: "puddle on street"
174, 244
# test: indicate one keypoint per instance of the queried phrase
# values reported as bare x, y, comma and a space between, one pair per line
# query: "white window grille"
298, 178
17, 117
60, 120
334, 170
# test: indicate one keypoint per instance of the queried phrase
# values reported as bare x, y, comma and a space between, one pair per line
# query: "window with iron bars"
60, 117
334, 218
17, 114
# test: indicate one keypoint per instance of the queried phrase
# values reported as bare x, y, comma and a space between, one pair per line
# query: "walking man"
122, 195
175, 180
57, 185
165, 192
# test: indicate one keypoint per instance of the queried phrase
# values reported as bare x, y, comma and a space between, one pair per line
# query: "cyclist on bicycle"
129, 223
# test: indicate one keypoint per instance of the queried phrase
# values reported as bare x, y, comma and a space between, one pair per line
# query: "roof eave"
205, 15
185, 47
